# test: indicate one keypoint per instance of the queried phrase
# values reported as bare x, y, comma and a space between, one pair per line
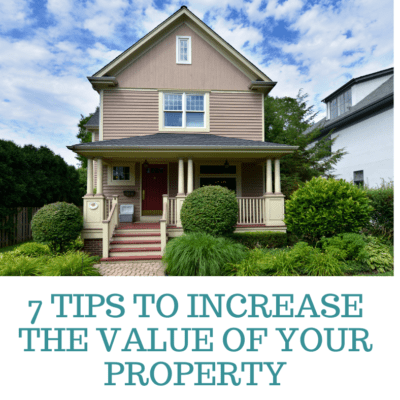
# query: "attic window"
341, 104
183, 50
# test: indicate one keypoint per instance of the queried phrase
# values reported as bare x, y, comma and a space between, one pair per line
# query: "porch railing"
251, 211
108, 207
109, 225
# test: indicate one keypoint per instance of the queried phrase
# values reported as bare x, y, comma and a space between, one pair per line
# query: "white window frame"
189, 40
129, 182
184, 128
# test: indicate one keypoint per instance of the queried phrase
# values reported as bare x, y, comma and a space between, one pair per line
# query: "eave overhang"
104, 82
261, 86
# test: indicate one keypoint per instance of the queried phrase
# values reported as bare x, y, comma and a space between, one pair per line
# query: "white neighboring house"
361, 116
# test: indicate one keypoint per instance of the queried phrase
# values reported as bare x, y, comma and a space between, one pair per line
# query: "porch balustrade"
251, 210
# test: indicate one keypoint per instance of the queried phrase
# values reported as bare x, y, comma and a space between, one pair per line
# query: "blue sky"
48, 48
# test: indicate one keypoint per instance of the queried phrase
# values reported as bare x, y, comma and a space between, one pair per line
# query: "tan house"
179, 109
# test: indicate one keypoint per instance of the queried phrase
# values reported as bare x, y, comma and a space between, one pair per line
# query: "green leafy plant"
382, 216
350, 246
256, 263
327, 207
324, 264
32, 249
254, 240
379, 256
12, 264
71, 264
201, 254
210, 209
57, 225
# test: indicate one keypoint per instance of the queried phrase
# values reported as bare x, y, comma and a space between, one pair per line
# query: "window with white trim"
184, 110
340, 104
121, 175
183, 50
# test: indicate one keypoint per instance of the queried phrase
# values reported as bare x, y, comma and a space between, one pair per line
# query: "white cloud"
14, 14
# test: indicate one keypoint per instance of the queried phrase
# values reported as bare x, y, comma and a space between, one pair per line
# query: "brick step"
133, 244
135, 226
131, 258
140, 251
136, 234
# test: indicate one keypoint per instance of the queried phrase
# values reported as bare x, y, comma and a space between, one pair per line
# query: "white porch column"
190, 176
269, 176
181, 177
89, 187
277, 176
99, 177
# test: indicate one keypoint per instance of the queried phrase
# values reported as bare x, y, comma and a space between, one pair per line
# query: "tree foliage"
33, 176
84, 136
286, 119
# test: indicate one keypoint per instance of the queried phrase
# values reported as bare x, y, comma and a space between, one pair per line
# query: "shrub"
32, 249
327, 207
324, 264
201, 254
57, 225
210, 209
71, 264
254, 240
382, 201
351, 245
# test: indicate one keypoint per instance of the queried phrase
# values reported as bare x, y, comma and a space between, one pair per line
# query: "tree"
286, 119
84, 136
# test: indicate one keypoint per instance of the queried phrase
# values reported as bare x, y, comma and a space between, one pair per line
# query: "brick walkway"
155, 268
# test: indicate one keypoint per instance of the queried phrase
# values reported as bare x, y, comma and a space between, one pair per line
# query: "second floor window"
184, 110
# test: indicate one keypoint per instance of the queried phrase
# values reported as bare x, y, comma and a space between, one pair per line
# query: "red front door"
154, 185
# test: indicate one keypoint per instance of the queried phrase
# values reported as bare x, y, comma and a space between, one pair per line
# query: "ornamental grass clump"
327, 207
57, 225
32, 249
201, 254
210, 209
12, 264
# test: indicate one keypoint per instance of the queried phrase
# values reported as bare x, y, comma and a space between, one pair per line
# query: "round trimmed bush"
210, 209
327, 207
57, 225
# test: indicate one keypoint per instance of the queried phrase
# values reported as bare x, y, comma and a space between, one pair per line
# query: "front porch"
156, 173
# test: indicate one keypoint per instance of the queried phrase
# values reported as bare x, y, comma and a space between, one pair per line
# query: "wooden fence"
22, 227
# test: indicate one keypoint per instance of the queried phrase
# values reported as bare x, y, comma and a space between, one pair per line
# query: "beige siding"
158, 68
110, 190
237, 115
252, 180
129, 113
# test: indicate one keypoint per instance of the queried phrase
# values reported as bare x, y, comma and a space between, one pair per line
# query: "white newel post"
190, 176
273, 202
99, 191
180, 197
89, 188
163, 223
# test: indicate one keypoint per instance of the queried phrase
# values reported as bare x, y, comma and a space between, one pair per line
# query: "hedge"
267, 239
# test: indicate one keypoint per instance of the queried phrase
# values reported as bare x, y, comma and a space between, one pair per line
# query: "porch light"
226, 165
145, 164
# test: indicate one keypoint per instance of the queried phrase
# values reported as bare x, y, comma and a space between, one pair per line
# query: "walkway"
155, 268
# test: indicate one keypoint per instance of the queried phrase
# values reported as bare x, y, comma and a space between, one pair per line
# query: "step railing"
251, 211
108, 207
109, 225
172, 216
163, 223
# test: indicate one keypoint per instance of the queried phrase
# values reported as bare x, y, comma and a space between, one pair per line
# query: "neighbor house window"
341, 104
123, 175
184, 110
183, 50
358, 178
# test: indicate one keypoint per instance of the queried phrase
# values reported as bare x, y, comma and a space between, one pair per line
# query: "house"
179, 109
360, 113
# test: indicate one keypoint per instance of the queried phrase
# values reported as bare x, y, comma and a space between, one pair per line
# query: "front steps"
135, 242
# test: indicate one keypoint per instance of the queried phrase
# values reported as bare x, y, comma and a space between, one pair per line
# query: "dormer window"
183, 50
341, 104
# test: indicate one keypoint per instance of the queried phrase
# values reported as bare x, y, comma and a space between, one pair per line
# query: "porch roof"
167, 142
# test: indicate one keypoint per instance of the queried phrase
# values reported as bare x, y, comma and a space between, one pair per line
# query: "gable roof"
360, 79
179, 17
377, 100
94, 120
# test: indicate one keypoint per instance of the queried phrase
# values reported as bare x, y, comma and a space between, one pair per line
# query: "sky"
48, 48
